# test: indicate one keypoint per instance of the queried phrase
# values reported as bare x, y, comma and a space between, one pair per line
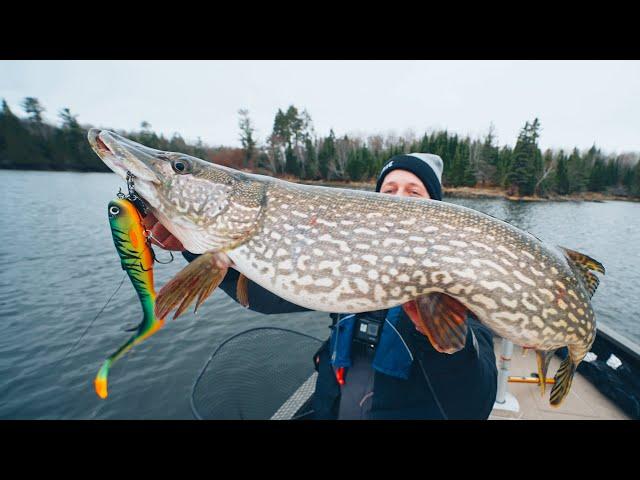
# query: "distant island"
473, 167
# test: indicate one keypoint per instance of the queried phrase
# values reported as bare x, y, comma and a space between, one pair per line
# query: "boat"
267, 374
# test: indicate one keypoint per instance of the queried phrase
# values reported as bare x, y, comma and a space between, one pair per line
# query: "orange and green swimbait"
136, 257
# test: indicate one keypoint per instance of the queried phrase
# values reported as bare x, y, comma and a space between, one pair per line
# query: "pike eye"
181, 166
114, 211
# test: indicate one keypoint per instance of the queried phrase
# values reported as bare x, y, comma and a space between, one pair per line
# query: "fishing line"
94, 319
435, 397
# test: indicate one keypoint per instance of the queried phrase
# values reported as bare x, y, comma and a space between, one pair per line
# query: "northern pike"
340, 250
136, 258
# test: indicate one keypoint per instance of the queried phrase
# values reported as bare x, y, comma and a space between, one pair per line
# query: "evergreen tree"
527, 161
311, 171
425, 144
627, 177
562, 176
292, 166
199, 150
577, 172
326, 155
486, 165
597, 176
18, 145
503, 165
68, 120
357, 163
464, 172
295, 124
281, 127
635, 185
148, 137
177, 143
612, 172
33, 109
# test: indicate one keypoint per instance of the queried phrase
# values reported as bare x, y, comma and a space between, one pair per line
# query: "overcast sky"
578, 102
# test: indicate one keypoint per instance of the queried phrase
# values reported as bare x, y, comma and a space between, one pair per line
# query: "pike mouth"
101, 147
122, 155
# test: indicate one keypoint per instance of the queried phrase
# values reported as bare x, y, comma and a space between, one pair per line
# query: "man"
381, 365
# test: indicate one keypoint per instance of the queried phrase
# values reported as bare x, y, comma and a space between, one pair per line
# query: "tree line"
32, 144
293, 149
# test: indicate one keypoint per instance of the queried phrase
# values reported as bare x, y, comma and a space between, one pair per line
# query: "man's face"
405, 184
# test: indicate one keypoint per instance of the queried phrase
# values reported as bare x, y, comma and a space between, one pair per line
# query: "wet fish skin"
352, 251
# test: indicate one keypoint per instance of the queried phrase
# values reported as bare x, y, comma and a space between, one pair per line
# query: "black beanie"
427, 167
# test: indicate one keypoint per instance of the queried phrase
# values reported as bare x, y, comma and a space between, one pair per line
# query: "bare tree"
409, 136
391, 139
548, 167
274, 153
375, 143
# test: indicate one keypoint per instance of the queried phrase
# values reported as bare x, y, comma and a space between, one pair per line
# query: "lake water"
58, 267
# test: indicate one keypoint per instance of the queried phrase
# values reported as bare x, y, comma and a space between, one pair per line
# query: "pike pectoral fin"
443, 319
543, 357
242, 290
198, 279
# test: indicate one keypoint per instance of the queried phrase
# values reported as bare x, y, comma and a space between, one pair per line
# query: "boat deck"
584, 401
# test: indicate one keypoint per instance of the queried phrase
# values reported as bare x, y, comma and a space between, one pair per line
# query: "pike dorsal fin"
584, 263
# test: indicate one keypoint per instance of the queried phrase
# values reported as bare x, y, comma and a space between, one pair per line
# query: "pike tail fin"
563, 379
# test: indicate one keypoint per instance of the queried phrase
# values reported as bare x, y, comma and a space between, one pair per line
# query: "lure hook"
162, 263
150, 236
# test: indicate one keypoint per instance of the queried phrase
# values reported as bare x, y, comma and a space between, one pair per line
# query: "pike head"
205, 206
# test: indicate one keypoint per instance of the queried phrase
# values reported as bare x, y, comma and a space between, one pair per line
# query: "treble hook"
163, 263
150, 236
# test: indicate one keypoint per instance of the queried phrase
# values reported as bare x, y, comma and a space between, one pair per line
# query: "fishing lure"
132, 243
